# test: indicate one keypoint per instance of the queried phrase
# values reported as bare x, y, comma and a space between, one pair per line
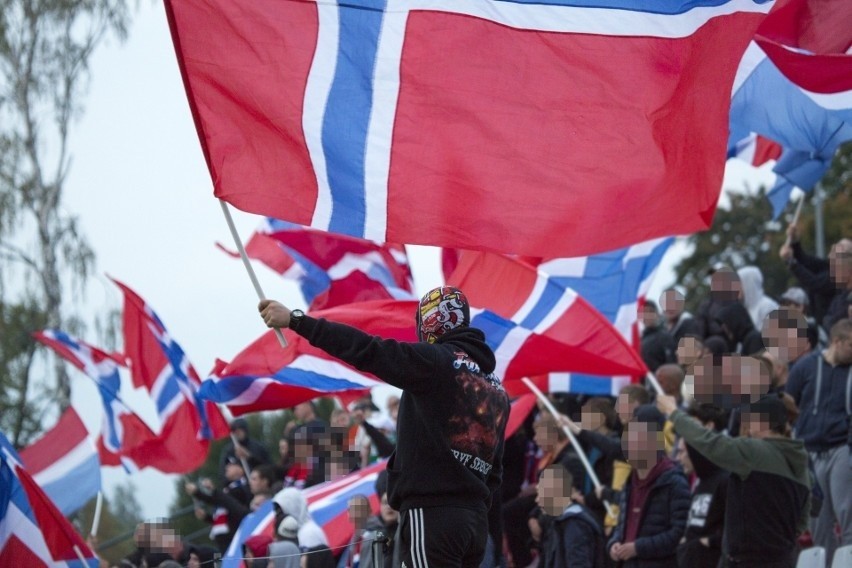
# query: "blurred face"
689, 350
359, 511
672, 302
624, 408
649, 316
389, 515
194, 561
840, 263
642, 443
785, 335
591, 420
340, 420
725, 285
682, 457
549, 494
283, 448
240, 435
302, 449
303, 412
755, 426
545, 436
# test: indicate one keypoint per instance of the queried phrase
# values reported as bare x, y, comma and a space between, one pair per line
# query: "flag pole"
79, 554
580, 453
96, 520
252, 276
242, 459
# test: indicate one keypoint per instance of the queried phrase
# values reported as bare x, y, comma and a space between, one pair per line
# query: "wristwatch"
296, 317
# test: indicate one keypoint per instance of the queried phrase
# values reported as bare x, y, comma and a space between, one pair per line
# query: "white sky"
141, 189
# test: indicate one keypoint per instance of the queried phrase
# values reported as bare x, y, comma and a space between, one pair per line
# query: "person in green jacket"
769, 488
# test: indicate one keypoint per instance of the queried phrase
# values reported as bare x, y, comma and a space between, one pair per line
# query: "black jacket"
813, 274
572, 540
452, 413
746, 339
662, 524
706, 514
768, 490
657, 348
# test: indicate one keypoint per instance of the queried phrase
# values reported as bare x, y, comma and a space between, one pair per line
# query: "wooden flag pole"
252, 276
580, 453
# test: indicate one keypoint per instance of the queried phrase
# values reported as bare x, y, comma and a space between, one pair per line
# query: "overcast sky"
144, 197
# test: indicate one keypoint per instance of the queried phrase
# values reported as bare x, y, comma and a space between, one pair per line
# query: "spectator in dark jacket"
246, 450
655, 502
769, 485
572, 537
679, 322
725, 288
743, 337
701, 546
658, 347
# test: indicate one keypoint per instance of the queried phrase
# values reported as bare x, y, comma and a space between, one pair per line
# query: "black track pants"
442, 537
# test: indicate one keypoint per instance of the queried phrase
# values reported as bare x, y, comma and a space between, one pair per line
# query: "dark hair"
561, 473
268, 472
716, 345
603, 406
649, 414
706, 412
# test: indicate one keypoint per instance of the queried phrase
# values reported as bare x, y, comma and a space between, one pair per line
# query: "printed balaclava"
441, 310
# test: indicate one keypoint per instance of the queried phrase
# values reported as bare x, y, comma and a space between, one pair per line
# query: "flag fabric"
460, 124
64, 462
158, 363
582, 339
518, 412
794, 85
266, 377
614, 283
125, 438
328, 505
332, 269
755, 149
33, 532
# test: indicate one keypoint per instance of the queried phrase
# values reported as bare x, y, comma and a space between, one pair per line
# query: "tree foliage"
45, 49
743, 234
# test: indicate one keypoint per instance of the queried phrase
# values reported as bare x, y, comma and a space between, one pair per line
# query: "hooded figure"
756, 301
293, 503
743, 337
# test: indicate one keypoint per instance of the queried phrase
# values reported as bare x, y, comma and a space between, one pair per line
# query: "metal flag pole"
580, 453
96, 520
252, 276
243, 460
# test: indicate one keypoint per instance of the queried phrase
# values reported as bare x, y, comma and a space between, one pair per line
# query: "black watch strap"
296, 317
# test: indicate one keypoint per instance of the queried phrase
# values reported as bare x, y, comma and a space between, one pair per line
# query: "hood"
736, 318
577, 511
293, 503
752, 282
471, 341
796, 457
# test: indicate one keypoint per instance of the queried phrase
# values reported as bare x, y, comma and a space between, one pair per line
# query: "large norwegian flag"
33, 532
158, 364
331, 269
328, 504
64, 462
553, 128
542, 304
125, 438
794, 85
266, 377
614, 283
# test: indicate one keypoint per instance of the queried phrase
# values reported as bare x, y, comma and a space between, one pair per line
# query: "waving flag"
332, 269
755, 149
461, 124
614, 283
64, 462
125, 437
794, 85
33, 532
328, 504
582, 338
158, 364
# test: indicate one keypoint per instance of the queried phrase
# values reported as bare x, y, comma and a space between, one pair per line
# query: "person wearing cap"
452, 416
768, 492
821, 385
655, 502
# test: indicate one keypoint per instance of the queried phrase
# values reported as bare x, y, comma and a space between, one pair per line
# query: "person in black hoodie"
452, 416
743, 337
701, 546
658, 346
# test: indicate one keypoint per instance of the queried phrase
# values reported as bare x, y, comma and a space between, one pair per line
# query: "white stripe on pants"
418, 540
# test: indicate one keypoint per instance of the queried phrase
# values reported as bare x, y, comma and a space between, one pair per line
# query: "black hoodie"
742, 332
706, 514
452, 413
